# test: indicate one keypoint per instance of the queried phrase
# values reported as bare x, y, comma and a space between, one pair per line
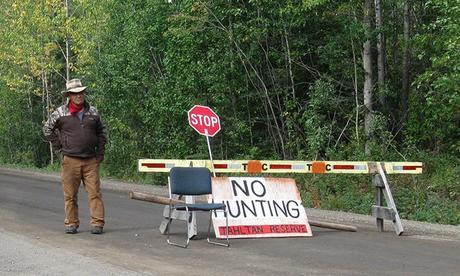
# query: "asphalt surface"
33, 241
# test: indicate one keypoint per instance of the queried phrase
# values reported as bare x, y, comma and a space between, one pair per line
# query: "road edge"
417, 229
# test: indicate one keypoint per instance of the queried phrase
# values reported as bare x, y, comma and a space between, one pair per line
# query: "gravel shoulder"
24, 256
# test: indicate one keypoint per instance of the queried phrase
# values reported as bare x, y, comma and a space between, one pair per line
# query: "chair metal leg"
168, 240
226, 229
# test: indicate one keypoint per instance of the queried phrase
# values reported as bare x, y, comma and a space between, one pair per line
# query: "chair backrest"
190, 181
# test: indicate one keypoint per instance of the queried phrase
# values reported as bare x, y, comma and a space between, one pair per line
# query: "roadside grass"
433, 196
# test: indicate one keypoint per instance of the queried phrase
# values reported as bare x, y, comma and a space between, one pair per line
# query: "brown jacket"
72, 137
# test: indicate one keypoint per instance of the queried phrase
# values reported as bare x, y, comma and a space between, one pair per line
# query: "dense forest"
293, 79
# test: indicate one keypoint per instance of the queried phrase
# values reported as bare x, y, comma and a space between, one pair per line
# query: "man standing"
75, 129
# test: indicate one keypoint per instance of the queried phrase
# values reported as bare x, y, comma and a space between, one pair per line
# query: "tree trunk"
380, 51
67, 42
406, 64
48, 109
355, 85
367, 65
289, 62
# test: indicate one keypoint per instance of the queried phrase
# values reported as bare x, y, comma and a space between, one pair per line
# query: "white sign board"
259, 207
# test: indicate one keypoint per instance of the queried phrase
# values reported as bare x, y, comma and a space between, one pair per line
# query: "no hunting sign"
259, 207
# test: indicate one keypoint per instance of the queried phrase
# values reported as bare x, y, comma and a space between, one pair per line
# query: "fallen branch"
331, 225
166, 201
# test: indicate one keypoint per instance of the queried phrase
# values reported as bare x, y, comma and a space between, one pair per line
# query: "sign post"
206, 122
210, 154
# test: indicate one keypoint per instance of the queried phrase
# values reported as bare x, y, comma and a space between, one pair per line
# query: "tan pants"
73, 171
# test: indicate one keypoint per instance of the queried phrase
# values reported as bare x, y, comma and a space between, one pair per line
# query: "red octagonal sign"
204, 120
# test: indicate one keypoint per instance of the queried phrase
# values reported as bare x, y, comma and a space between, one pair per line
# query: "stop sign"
204, 120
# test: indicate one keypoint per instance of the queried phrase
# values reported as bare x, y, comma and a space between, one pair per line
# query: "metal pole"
210, 153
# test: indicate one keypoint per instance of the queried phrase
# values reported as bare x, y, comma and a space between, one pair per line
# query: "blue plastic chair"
192, 181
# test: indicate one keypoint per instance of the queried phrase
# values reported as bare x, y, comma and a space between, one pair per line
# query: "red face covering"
73, 108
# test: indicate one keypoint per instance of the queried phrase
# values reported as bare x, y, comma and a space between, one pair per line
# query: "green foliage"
437, 94
22, 144
347, 193
284, 76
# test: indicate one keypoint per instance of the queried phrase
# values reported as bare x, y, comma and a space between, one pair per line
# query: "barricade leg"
379, 211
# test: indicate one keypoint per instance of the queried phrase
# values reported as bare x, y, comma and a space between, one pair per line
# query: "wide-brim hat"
74, 86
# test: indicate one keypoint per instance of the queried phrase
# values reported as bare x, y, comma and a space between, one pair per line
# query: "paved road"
32, 208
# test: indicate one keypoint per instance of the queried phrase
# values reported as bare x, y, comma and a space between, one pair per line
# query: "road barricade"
378, 170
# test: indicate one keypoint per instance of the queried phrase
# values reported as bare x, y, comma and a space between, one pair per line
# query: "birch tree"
381, 54
368, 75
406, 63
